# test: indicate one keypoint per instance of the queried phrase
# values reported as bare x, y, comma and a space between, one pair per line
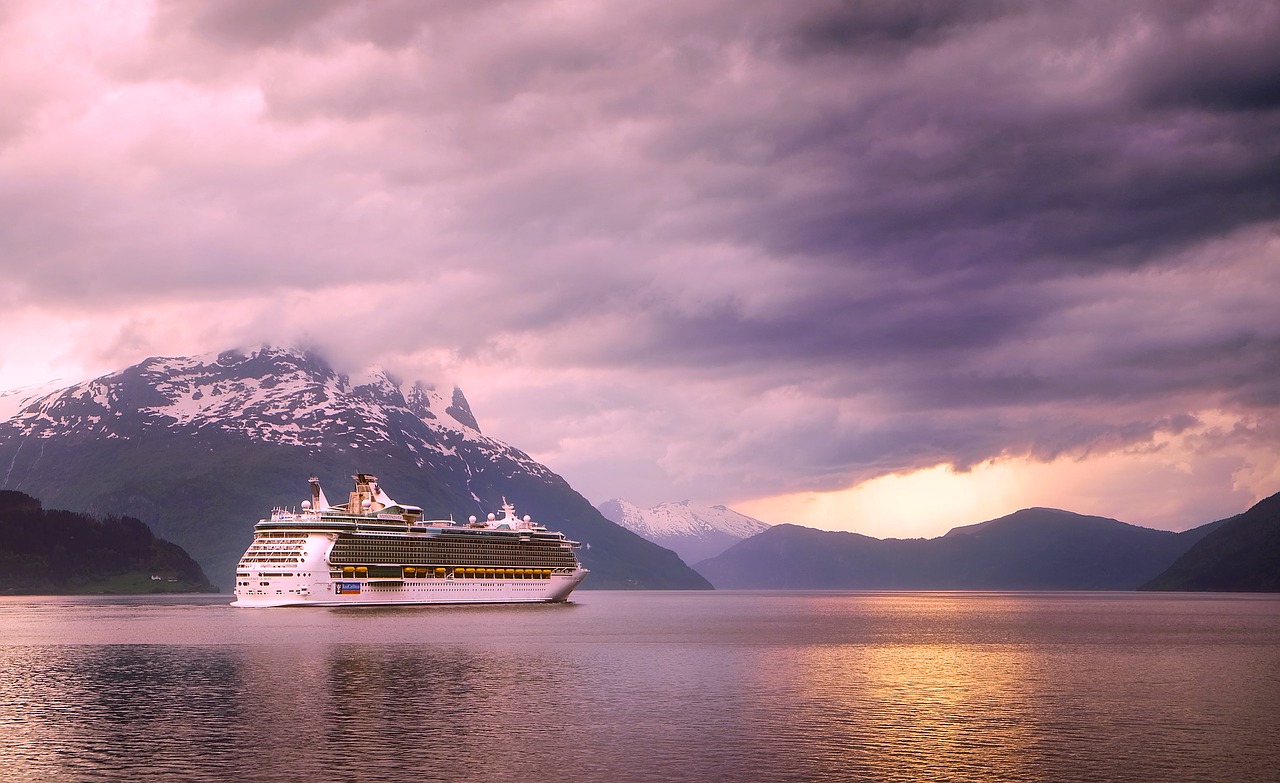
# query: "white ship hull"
434, 591
437, 591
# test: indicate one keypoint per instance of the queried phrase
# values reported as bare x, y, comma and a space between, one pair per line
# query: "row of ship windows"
446, 549
457, 573
375, 553
419, 572
492, 562
273, 574
401, 553
417, 561
416, 546
488, 562
409, 572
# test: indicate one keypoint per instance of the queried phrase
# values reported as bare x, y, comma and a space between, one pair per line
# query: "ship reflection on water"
647, 687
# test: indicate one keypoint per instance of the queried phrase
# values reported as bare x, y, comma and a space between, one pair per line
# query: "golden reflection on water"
905, 712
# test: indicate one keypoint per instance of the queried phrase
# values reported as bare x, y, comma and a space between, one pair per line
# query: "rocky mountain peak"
461, 411
271, 394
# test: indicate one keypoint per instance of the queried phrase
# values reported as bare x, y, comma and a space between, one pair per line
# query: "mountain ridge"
1242, 554
1036, 548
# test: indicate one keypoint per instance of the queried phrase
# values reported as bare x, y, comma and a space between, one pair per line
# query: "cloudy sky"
885, 266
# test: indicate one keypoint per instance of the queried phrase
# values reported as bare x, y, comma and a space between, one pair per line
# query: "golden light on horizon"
921, 504
1148, 486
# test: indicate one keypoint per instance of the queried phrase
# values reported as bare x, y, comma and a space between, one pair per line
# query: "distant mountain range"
54, 552
200, 448
1031, 549
693, 531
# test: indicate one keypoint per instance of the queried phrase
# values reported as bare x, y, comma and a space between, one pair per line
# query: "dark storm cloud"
1216, 57
1243, 367
901, 142
917, 161
1001, 170
846, 322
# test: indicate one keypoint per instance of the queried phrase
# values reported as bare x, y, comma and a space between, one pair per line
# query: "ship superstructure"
373, 550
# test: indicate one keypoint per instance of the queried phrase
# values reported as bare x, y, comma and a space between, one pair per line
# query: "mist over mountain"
1031, 549
200, 448
692, 530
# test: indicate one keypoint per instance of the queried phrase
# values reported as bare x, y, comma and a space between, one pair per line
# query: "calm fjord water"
621, 686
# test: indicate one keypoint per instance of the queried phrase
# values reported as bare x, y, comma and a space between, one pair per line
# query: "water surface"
647, 686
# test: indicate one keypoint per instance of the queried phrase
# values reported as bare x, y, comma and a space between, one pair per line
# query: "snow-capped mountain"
201, 447
14, 400
269, 395
693, 531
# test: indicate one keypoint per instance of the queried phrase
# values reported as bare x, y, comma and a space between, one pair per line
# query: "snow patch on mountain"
14, 400
681, 519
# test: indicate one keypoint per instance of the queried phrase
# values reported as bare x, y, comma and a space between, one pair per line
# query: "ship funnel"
318, 501
367, 489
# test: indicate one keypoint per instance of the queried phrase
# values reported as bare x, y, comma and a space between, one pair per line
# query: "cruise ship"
373, 550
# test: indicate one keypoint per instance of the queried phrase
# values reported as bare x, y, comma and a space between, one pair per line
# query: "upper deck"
379, 514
